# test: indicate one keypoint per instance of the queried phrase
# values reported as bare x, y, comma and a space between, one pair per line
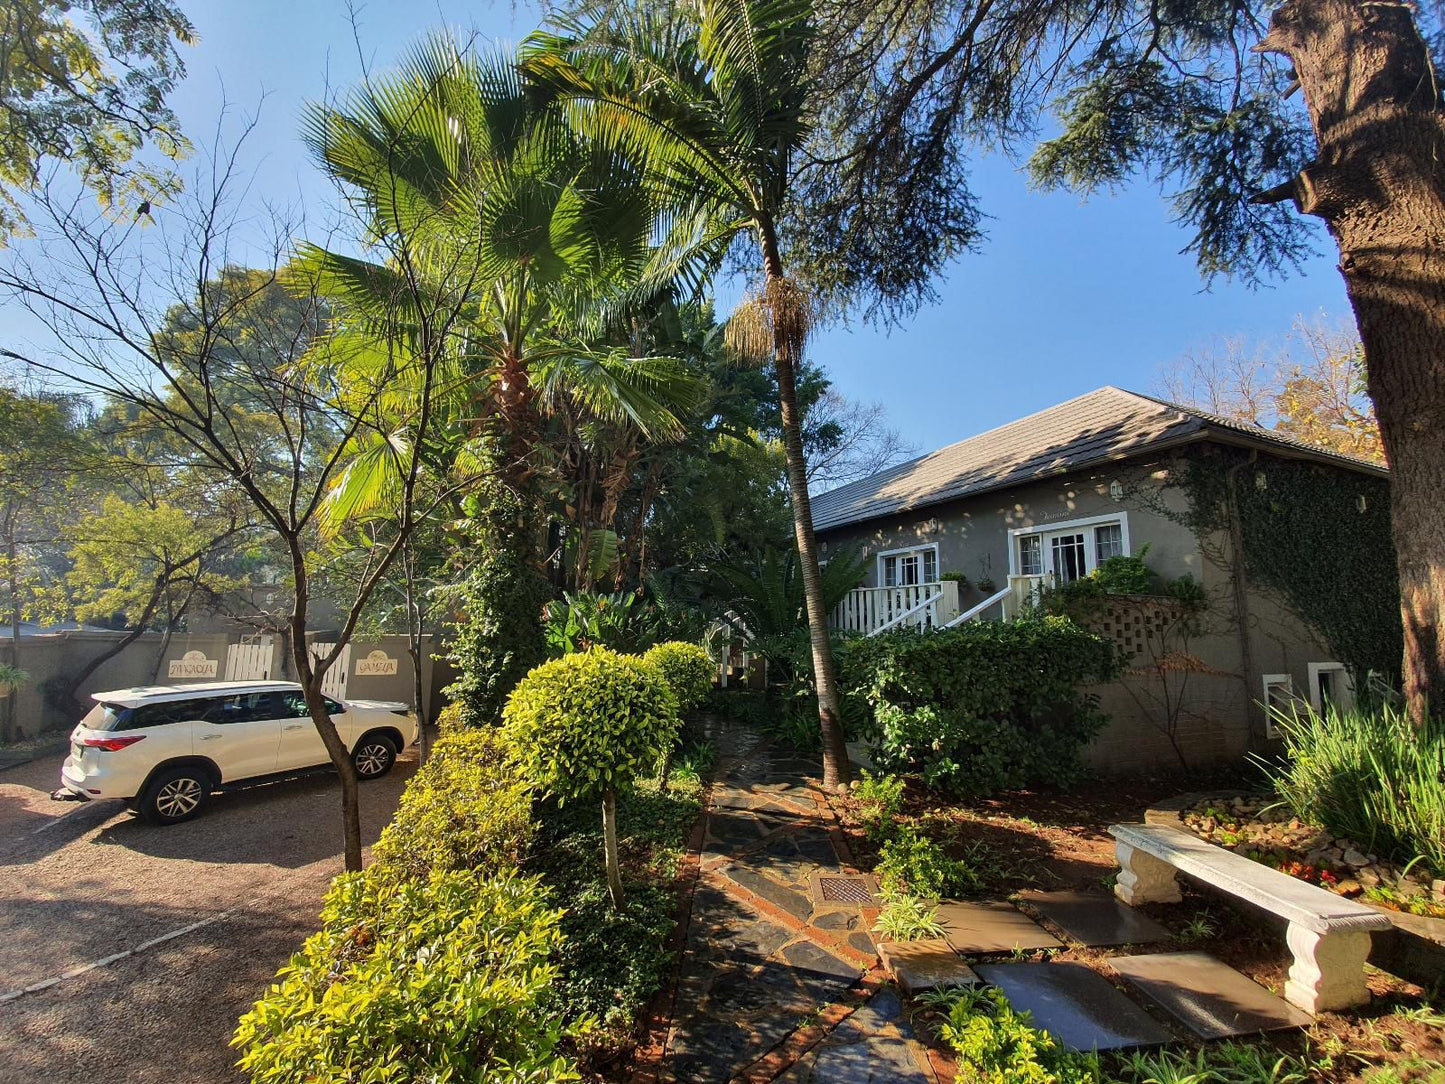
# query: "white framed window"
1069, 551
1031, 555
908, 567
1278, 696
1330, 685
1108, 542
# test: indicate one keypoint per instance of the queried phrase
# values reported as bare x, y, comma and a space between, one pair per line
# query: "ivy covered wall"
1317, 536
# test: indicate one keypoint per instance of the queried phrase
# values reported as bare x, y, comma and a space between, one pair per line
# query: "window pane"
890, 572
1031, 555
1068, 554
930, 566
1108, 542
908, 570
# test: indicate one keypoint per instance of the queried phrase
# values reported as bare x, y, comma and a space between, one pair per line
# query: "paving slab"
875, 1045
1211, 998
1075, 1004
1092, 918
924, 965
981, 928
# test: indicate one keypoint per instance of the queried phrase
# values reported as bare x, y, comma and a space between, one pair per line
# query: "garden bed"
1046, 839
1261, 828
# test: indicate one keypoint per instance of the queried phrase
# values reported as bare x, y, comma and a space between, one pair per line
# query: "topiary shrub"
467, 807
443, 979
688, 669
585, 724
986, 706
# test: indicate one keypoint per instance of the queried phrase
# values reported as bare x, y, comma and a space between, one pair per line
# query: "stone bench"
1329, 935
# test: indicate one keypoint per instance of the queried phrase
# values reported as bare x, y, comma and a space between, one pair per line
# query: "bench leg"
1328, 973
1144, 878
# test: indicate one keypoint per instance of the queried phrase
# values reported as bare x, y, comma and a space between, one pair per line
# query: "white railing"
996, 599
1023, 592
871, 610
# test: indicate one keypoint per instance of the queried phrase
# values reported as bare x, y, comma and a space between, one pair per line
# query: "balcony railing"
871, 610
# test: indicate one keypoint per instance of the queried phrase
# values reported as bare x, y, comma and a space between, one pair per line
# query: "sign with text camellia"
376, 664
194, 665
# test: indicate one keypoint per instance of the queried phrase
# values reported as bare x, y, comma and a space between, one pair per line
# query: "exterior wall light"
1116, 490
1361, 503
1261, 483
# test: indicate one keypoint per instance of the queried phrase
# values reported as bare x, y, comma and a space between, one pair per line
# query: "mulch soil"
1059, 840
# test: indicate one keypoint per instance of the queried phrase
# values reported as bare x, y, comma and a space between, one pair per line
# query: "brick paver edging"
782, 1057
647, 1059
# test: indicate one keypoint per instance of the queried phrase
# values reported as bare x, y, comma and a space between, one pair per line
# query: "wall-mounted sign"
377, 664
194, 664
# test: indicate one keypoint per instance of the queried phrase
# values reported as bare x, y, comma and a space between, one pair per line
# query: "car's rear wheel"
175, 795
373, 756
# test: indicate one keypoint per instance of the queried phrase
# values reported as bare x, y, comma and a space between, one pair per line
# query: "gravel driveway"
238, 890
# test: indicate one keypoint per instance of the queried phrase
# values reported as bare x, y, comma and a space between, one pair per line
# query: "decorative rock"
1355, 860
1369, 876
1349, 887
1437, 886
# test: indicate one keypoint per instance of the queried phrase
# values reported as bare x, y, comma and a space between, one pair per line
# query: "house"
1048, 498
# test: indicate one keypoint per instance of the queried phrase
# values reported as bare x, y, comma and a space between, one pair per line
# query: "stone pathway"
774, 983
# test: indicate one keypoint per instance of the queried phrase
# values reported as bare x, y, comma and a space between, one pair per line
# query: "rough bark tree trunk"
609, 847
1379, 184
825, 677
311, 679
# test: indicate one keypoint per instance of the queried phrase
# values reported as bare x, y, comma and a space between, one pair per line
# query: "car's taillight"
111, 745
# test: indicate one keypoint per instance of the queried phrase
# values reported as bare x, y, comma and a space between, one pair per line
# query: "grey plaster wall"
1222, 719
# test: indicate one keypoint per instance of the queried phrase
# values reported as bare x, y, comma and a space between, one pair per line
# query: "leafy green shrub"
1369, 776
688, 670
880, 800
613, 959
913, 863
986, 706
466, 808
450, 720
585, 724
443, 979
622, 620
996, 1045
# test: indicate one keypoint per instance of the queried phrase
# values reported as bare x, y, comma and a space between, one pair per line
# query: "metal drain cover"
845, 890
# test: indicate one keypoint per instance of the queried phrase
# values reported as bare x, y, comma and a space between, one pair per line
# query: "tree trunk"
825, 678
310, 678
12, 702
1379, 184
609, 846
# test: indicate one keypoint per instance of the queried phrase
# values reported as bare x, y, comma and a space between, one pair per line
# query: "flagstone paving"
771, 980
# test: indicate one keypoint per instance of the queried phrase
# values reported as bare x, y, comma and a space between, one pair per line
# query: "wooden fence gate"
250, 660
334, 684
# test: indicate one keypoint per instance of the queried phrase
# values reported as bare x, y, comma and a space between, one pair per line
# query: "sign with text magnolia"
194, 664
376, 664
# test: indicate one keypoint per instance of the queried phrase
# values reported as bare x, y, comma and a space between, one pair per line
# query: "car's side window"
333, 708
293, 706
171, 711
244, 708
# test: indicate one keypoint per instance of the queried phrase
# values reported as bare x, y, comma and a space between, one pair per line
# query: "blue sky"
1063, 296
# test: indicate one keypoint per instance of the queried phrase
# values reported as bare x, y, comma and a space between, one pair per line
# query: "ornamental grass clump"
1371, 776
586, 724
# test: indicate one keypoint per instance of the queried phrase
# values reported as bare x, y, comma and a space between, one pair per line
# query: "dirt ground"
237, 890
1056, 840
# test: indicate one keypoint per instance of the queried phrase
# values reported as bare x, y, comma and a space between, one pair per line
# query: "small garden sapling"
587, 723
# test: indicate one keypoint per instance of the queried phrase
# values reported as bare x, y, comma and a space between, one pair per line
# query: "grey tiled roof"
1103, 425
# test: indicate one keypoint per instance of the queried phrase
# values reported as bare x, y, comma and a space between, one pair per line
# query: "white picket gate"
334, 684
250, 660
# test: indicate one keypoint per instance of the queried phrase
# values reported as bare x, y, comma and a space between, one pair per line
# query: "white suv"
166, 748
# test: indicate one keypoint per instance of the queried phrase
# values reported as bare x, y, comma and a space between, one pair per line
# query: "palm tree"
713, 97
508, 241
